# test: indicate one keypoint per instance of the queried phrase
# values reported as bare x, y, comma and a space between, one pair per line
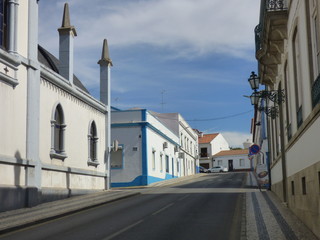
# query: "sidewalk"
267, 218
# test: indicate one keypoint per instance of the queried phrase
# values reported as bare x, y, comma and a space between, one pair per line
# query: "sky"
193, 57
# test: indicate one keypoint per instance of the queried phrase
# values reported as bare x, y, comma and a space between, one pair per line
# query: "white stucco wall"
129, 116
13, 117
276, 173
128, 138
304, 153
155, 143
218, 144
78, 116
22, 28
127, 129
235, 159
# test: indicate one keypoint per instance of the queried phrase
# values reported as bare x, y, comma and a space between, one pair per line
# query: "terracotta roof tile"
207, 138
232, 152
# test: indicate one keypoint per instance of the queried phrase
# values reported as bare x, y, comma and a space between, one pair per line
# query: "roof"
207, 138
232, 152
52, 62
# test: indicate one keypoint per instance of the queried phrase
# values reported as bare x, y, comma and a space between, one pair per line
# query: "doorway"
230, 165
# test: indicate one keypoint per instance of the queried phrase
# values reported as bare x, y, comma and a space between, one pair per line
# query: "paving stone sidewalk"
267, 218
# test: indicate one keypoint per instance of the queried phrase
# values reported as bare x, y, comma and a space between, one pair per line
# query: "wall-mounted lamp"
270, 111
276, 96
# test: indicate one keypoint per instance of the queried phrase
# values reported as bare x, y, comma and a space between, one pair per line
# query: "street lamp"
255, 96
276, 96
254, 81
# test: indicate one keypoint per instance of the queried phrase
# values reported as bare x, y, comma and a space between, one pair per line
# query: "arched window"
92, 144
3, 23
58, 133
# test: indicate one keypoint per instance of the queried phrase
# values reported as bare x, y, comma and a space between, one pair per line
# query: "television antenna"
162, 99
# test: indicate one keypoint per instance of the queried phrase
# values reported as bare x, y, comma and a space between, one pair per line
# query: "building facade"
233, 160
149, 148
54, 136
209, 145
287, 50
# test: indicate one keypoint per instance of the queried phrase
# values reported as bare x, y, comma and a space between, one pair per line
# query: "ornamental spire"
105, 58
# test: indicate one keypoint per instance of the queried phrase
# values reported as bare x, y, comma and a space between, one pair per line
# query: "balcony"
270, 34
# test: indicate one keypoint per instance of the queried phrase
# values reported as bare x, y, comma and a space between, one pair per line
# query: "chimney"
105, 63
66, 36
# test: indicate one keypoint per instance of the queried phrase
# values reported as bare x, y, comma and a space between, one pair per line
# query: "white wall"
155, 143
78, 116
236, 161
129, 138
218, 144
13, 117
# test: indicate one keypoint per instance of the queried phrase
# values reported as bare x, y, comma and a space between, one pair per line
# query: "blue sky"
188, 56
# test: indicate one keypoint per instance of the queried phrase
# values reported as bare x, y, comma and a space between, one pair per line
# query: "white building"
209, 145
149, 149
287, 50
54, 134
188, 139
233, 160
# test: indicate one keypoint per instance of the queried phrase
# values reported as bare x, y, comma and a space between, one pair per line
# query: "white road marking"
122, 230
162, 209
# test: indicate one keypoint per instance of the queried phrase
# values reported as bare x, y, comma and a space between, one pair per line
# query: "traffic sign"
254, 149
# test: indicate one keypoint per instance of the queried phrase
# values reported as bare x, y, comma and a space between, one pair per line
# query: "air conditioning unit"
181, 155
165, 145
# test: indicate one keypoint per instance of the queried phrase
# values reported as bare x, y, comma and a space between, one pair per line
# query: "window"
292, 187
161, 162
241, 163
116, 160
167, 163
297, 77
287, 102
181, 140
319, 180
304, 187
3, 23
178, 169
316, 45
92, 143
204, 152
219, 162
153, 159
57, 134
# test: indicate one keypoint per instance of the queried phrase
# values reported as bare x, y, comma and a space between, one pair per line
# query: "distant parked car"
203, 170
217, 169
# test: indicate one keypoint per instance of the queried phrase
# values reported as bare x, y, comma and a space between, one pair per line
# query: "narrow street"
208, 207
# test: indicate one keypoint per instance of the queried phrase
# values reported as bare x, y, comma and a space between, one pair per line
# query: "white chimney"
66, 36
105, 64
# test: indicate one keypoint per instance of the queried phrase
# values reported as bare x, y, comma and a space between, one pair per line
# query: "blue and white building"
149, 148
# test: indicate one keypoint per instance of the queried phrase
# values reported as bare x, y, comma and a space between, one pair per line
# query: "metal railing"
276, 5
267, 6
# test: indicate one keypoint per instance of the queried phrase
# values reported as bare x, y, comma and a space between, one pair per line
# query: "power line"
208, 119
219, 118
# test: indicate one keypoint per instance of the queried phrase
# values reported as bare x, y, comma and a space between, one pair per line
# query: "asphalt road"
208, 207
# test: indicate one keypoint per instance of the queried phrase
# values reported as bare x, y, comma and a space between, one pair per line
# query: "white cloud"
188, 27
236, 139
